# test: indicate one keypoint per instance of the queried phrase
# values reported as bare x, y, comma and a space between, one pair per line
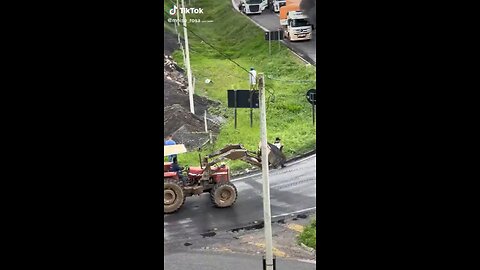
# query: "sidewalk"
206, 261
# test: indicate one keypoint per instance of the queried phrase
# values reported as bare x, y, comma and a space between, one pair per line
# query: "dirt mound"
170, 42
187, 128
176, 116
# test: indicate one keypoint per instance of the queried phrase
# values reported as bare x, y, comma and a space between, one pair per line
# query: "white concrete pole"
178, 34
193, 85
205, 118
187, 61
267, 216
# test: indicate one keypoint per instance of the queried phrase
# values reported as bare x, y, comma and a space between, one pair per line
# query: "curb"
309, 249
307, 154
301, 55
307, 261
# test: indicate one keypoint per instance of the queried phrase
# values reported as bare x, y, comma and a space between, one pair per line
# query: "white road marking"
296, 212
308, 261
296, 54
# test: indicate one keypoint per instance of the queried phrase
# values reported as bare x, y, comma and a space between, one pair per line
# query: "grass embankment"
289, 115
309, 235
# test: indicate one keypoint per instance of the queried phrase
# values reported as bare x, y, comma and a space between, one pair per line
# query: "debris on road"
285, 241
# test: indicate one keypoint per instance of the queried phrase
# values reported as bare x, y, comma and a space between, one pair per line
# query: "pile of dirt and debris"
187, 128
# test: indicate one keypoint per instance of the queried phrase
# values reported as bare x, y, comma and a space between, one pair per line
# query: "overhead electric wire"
268, 76
195, 34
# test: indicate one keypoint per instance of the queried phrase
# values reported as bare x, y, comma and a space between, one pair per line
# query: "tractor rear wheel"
173, 196
223, 194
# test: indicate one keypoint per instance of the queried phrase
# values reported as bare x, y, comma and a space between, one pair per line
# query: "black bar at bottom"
274, 263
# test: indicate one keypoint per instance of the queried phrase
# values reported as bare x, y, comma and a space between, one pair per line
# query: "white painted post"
193, 86
205, 118
267, 216
187, 59
178, 34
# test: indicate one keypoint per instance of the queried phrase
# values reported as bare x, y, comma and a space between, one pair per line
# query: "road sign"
274, 35
312, 96
243, 99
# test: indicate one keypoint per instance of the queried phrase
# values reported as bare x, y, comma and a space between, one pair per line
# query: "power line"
269, 77
228, 58
195, 34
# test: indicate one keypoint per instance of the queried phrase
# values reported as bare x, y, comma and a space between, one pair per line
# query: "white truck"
252, 6
275, 5
295, 25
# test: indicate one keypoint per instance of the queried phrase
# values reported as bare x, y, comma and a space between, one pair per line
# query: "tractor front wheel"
223, 194
173, 196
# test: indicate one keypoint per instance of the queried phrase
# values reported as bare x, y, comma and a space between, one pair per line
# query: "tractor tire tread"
179, 184
216, 187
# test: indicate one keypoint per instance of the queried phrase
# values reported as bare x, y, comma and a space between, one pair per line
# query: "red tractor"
210, 177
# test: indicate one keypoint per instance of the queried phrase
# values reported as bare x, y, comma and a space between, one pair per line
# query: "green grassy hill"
289, 115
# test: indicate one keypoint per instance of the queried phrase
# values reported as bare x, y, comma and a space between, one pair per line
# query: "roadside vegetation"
309, 235
289, 115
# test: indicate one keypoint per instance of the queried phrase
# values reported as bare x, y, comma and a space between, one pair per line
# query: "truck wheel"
223, 194
173, 196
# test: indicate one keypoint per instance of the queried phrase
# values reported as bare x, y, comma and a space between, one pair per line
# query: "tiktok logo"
173, 11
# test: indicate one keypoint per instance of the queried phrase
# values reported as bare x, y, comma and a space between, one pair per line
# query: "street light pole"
267, 216
187, 62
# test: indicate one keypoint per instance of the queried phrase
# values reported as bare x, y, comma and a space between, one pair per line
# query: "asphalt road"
202, 261
270, 21
292, 189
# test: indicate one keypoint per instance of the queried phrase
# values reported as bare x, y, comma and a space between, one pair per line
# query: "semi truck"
275, 5
295, 23
249, 7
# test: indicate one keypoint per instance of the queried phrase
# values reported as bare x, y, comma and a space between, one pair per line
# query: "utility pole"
178, 34
270, 43
267, 216
205, 118
187, 62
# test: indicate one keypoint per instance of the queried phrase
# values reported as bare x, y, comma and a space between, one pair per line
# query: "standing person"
253, 79
279, 145
169, 141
